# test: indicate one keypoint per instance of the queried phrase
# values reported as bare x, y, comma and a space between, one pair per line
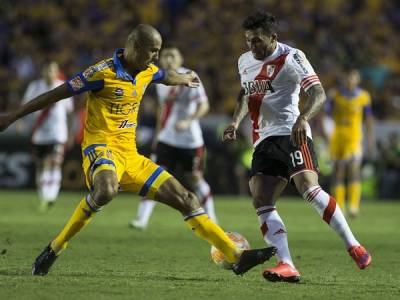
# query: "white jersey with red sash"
272, 88
50, 125
178, 103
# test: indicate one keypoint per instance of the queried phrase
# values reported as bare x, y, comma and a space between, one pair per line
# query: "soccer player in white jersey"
271, 75
49, 135
178, 139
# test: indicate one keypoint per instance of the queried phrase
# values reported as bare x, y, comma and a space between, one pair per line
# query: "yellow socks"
82, 215
212, 233
339, 194
354, 195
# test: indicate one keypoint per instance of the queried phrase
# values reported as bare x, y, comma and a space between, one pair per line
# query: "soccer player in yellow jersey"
110, 159
349, 106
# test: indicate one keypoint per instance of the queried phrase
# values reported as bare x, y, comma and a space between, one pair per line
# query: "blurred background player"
49, 135
348, 105
178, 139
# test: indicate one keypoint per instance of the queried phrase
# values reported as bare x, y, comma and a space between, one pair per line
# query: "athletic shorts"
53, 149
171, 157
135, 173
277, 156
345, 148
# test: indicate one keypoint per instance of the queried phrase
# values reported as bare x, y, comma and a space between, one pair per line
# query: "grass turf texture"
108, 260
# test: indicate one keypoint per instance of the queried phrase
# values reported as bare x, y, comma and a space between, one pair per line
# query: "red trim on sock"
264, 229
329, 210
259, 213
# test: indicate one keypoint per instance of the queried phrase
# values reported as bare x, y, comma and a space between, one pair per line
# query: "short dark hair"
262, 20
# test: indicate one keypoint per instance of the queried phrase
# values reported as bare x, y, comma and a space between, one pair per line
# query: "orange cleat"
282, 272
360, 256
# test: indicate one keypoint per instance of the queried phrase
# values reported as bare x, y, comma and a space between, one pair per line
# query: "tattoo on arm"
316, 99
241, 108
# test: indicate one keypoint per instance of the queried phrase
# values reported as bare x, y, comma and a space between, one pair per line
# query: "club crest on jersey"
258, 87
270, 70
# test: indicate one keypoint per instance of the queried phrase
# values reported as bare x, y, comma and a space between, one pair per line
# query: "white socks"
145, 209
48, 184
274, 232
203, 192
330, 213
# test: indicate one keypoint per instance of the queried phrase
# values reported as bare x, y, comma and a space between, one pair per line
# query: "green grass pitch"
108, 260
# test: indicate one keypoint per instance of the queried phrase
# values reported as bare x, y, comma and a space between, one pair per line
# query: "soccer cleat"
282, 272
137, 224
44, 261
250, 258
360, 256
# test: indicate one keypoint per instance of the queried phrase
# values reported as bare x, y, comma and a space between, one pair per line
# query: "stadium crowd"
75, 33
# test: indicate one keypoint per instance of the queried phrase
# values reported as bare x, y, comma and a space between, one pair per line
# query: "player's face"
170, 59
260, 44
146, 54
353, 79
50, 71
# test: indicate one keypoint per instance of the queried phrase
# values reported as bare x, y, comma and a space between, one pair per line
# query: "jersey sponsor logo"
123, 109
258, 87
300, 62
76, 83
126, 124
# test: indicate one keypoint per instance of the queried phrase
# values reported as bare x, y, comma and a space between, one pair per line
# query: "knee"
189, 201
104, 193
260, 198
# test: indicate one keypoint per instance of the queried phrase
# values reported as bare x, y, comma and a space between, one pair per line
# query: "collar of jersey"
350, 94
119, 69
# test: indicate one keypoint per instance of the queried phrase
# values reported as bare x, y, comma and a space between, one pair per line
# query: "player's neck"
131, 68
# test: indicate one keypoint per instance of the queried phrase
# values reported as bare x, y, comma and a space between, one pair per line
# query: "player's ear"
274, 37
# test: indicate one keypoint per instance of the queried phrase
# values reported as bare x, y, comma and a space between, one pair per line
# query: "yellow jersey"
113, 99
348, 108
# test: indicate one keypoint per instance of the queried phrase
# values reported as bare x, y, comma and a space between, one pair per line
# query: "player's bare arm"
202, 109
40, 102
172, 77
240, 112
316, 99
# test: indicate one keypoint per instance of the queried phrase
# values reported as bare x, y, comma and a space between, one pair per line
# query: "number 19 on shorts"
297, 158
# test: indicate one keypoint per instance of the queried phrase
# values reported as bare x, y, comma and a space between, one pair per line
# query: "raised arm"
41, 101
171, 77
240, 112
315, 100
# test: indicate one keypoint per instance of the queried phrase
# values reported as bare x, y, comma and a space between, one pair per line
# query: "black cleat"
44, 261
251, 258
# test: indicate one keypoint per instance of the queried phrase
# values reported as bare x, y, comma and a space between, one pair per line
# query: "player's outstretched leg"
105, 189
172, 193
307, 184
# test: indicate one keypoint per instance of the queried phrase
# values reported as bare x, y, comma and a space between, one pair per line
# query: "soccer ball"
219, 258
